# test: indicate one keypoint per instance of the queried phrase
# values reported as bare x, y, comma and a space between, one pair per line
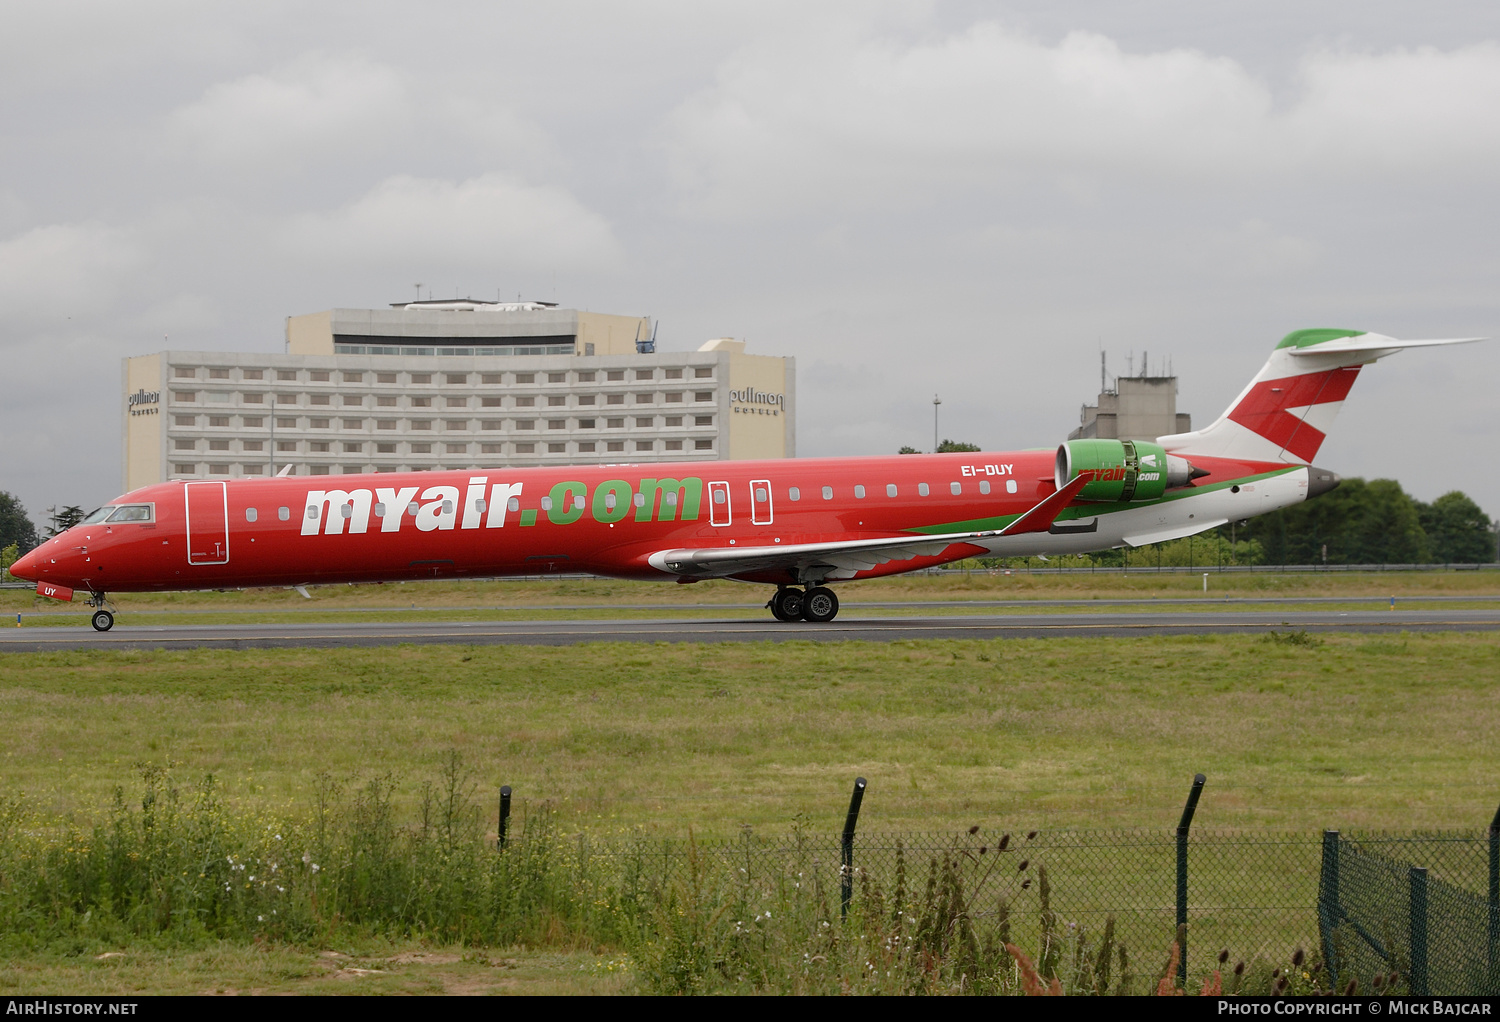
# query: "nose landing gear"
817, 604
102, 620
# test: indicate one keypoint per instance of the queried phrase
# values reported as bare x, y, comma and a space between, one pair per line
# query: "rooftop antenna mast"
418, 286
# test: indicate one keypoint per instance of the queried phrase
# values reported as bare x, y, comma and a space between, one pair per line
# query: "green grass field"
1348, 731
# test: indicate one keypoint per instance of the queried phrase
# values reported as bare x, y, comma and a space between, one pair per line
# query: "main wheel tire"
820, 605
786, 605
103, 621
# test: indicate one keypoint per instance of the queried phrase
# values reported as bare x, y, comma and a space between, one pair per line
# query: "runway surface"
849, 627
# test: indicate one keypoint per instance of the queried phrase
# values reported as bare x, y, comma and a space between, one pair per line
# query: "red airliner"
796, 524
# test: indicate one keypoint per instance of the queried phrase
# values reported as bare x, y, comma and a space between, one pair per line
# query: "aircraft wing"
845, 558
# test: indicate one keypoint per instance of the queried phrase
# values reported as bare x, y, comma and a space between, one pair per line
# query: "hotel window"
491, 448
703, 395
674, 398
557, 377
557, 448
353, 448
386, 401
457, 402
674, 374
703, 372
180, 467
525, 402
184, 445
354, 423
252, 470
525, 377
421, 448
586, 377
319, 470
319, 446
492, 424
320, 399
286, 423
385, 423
674, 445
253, 399
286, 374
421, 377
253, 374
456, 425
557, 423
644, 399
252, 422
187, 420
351, 470
318, 376
219, 469
645, 374
645, 421
615, 374
703, 420
252, 445
421, 402
490, 402
703, 445
615, 445
317, 423
458, 378
185, 373
673, 420
587, 447
490, 378
354, 377
457, 448
354, 401
218, 420
218, 374
385, 377
286, 445
417, 423
184, 395
645, 445
614, 423
614, 399
586, 423
525, 448
525, 424
557, 401
385, 448
585, 399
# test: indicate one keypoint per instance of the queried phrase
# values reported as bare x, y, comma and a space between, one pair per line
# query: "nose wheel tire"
103, 621
820, 605
786, 605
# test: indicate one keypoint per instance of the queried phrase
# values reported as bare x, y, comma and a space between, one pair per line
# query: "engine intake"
1121, 470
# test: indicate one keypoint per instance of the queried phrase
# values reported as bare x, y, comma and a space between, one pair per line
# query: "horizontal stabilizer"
1373, 343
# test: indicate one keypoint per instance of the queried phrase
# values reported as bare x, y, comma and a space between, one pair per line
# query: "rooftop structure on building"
457, 383
1140, 407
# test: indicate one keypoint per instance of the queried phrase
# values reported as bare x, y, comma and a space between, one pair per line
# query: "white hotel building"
451, 385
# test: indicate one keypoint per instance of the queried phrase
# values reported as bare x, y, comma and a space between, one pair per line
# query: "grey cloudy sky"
962, 198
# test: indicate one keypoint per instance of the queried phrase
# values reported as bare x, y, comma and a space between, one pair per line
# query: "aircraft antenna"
935, 402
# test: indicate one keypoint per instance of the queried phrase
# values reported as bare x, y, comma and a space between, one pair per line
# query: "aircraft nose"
26, 567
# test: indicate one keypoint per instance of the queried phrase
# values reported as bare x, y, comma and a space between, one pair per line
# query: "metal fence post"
1182, 872
1494, 905
1417, 931
846, 871
504, 816
1328, 905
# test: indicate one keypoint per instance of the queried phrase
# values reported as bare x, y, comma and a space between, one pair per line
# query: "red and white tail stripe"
1288, 409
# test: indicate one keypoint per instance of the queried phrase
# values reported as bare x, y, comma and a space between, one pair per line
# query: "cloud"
864, 120
313, 106
490, 220
61, 270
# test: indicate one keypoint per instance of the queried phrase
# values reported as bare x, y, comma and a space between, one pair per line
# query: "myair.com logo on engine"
489, 505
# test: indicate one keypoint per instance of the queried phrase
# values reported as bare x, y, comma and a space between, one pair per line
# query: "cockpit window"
131, 513
97, 515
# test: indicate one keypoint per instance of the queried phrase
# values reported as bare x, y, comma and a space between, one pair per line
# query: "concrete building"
1138, 408
452, 385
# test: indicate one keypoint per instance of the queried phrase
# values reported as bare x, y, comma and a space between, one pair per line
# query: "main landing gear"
102, 620
816, 604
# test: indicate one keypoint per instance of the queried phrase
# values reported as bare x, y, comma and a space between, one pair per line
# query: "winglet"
1041, 517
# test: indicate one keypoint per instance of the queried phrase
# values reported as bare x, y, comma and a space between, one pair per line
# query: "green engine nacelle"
1120, 470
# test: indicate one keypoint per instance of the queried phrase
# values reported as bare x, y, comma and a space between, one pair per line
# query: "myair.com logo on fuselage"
489, 505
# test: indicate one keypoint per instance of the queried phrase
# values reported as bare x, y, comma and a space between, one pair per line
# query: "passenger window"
793, 493
250, 514
760, 494
312, 512
447, 507
828, 493
640, 500
411, 509
1010, 486
379, 510
718, 496
347, 510
672, 499
859, 492
546, 503
578, 503
514, 504
955, 488
479, 505
890, 489
284, 513
922, 489
984, 486
609, 501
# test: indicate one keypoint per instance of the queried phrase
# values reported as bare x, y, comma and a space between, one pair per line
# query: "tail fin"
1287, 410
